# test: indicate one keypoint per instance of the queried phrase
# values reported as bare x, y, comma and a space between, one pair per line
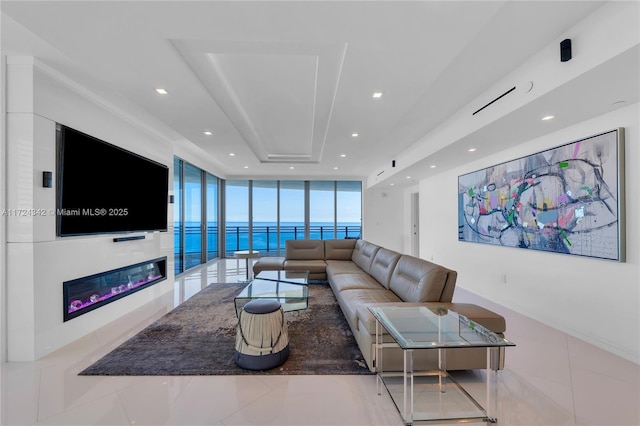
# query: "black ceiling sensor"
565, 50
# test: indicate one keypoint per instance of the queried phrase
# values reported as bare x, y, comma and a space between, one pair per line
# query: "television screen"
102, 188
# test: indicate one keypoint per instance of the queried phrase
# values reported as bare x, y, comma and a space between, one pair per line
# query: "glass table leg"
407, 380
492, 387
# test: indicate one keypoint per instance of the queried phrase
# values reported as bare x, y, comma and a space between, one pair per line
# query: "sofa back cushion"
417, 280
304, 250
363, 254
383, 265
338, 249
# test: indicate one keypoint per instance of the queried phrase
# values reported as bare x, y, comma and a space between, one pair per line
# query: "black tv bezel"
60, 130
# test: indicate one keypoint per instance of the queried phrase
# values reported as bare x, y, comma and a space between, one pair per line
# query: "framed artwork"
568, 199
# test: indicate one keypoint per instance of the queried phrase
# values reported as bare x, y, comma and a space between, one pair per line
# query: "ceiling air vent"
498, 98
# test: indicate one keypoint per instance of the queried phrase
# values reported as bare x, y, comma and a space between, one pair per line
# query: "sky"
291, 201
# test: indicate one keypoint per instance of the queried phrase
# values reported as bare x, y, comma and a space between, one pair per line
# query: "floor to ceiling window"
265, 215
178, 235
261, 215
292, 211
322, 212
348, 209
195, 216
212, 216
236, 215
192, 215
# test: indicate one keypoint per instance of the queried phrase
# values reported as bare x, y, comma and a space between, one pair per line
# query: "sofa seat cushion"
341, 282
335, 267
352, 298
313, 266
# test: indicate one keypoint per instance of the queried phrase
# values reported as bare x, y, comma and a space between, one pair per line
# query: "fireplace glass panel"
85, 294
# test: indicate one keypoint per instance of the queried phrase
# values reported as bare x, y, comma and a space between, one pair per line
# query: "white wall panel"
38, 262
20, 312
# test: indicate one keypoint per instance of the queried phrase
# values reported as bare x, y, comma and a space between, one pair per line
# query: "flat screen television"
104, 189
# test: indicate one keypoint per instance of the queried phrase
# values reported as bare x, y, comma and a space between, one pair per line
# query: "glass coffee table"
434, 396
293, 277
287, 287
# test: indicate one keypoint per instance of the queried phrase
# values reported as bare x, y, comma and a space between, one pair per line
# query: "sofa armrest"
268, 264
486, 318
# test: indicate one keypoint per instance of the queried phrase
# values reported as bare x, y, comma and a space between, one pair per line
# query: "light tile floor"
49, 391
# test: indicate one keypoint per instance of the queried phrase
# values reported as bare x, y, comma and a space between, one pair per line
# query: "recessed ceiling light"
246, 167
377, 95
161, 91
408, 177
433, 166
208, 133
231, 154
391, 184
472, 149
291, 167
354, 135
335, 168
343, 155
548, 117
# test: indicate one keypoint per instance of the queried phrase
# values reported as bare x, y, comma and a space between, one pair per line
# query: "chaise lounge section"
362, 274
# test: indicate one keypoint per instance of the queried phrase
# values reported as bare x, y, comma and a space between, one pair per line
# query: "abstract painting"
568, 199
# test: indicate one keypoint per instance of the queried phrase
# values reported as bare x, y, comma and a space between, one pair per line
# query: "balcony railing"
265, 238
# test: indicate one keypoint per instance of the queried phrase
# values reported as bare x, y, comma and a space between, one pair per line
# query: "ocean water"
264, 234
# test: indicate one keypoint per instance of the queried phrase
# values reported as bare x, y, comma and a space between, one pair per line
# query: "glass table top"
419, 327
295, 277
292, 297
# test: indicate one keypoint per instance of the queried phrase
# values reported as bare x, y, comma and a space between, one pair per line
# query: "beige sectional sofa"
362, 274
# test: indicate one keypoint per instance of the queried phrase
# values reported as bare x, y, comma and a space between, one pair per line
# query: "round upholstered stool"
262, 339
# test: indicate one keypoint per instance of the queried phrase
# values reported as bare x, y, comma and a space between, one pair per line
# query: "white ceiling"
286, 84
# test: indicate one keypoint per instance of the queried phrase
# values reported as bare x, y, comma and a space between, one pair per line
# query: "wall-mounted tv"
104, 189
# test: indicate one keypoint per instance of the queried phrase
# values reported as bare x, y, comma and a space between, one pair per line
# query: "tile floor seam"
571, 384
537, 390
123, 406
38, 395
240, 409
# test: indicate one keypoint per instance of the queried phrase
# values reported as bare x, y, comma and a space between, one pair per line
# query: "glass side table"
439, 398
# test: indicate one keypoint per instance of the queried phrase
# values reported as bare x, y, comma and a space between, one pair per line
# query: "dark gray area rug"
198, 338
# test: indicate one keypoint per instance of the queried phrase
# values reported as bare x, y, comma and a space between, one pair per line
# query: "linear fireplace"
85, 294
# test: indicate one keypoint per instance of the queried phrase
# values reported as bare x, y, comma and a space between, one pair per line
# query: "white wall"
37, 261
382, 221
594, 300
